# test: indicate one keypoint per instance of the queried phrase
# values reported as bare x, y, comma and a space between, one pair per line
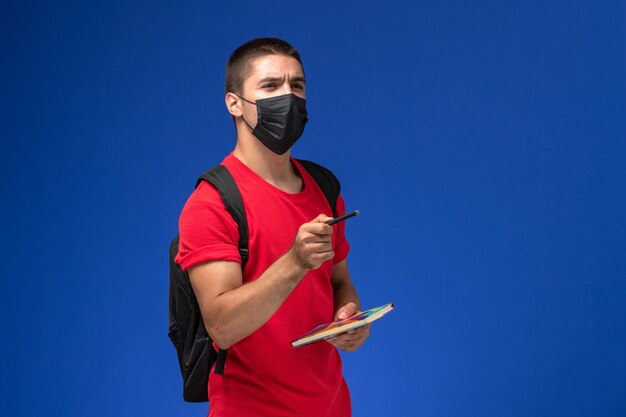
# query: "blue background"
483, 142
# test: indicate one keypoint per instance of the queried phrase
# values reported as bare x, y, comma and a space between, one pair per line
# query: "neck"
273, 168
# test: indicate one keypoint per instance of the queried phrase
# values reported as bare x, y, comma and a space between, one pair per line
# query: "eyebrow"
280, 79
298, 78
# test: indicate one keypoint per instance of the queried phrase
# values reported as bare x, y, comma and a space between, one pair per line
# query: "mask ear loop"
244, 119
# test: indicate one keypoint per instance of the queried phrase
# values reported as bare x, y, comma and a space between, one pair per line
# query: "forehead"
274, 66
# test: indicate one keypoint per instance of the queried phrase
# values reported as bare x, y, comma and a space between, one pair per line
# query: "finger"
348, 347
346, 311
322, 257
318, 226
345, 342
361, 330
335, 341
321, 229
317, 238
322, 218
349, 338
321, 247
315, 231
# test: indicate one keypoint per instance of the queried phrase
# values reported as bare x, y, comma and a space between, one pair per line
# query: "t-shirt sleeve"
342, 247
207, 230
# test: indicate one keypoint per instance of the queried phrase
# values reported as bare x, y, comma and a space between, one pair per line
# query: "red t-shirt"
264, 375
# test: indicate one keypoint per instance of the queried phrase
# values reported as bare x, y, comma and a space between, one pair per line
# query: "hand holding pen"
313, 243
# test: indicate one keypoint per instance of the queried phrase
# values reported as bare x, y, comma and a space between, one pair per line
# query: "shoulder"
205, 193
204, 199
207, 231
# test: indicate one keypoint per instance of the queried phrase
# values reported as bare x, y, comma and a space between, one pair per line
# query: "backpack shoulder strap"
225, 184
326, 180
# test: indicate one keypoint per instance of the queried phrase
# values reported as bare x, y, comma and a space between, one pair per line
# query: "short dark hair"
239, 65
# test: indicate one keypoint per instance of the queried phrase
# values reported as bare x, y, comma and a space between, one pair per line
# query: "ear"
233, 104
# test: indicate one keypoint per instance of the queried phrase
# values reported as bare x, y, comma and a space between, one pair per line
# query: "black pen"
344, 217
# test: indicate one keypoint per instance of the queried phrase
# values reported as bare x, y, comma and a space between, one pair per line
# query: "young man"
296, 277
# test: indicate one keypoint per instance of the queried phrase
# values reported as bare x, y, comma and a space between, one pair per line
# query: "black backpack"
194, 347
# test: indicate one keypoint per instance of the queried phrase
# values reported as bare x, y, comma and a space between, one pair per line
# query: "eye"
298, 86
269, 85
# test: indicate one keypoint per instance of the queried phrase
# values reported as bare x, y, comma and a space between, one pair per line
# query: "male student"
296, 277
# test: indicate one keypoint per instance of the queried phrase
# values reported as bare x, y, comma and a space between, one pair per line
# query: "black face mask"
280, 121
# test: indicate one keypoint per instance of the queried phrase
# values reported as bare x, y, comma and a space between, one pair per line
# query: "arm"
232, 311
346, 304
